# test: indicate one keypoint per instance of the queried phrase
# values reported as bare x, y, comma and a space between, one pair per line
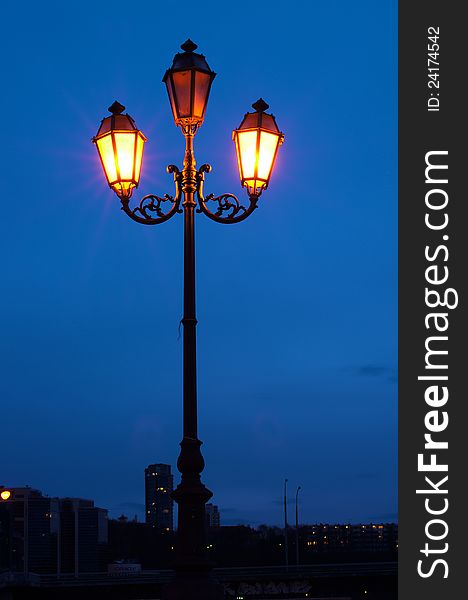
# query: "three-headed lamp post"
120, 146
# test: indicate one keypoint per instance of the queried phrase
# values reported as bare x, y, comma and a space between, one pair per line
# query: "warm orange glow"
125, 155
121, 154
257, 140
201, 92
5, 494
188, 84
182, 84
247, 152
266, 155
106, 152
139, 156
256, 153
120, 147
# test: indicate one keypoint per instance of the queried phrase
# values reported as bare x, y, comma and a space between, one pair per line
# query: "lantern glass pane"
125, 146
247, 143
182, 85
139, 157
266, 154
106, 152
235, 137
202, 88
171, 96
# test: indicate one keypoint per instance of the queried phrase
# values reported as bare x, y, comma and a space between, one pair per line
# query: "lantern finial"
189, 46
116, 108
260, 105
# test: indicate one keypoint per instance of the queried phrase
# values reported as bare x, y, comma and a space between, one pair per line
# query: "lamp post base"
193, 580
192, 587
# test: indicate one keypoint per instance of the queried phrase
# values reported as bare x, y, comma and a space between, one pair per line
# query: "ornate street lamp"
257, 141
120, 147
188, 84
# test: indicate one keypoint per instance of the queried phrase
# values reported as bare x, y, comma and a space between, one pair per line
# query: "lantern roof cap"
116, 108
189, 46
189, 59
260, 105
260, 119
117, 121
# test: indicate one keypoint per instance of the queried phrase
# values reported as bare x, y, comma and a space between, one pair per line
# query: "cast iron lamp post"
120, 146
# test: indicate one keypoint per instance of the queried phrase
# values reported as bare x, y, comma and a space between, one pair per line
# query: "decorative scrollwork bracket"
149, 211
229, 209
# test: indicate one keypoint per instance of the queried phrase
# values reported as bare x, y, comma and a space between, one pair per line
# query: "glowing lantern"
120, 147
257, 140
5, 494
188, 84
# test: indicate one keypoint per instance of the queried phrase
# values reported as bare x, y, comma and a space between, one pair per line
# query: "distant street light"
297, 525
120, 145
285, 502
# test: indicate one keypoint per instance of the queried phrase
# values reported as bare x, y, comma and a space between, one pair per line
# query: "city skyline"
42, 535
139, 510
213, 512
297, 334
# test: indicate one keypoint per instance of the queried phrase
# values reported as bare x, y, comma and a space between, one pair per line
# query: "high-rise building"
29, 526
39, 534
83, 536
158, 489
212, 516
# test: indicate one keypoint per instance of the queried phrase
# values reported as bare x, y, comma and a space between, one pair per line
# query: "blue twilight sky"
297, 306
